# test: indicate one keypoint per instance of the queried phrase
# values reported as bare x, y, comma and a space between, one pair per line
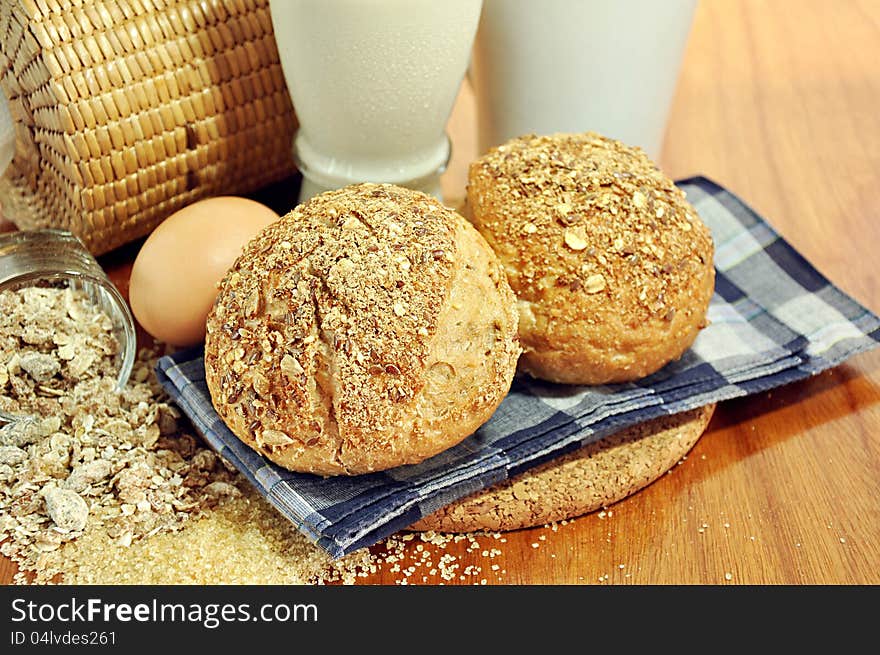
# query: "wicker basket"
126, 110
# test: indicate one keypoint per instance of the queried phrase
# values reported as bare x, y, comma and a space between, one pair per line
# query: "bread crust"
612, 267
590, 478
368, 328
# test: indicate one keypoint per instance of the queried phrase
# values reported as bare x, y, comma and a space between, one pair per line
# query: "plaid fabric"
774, 320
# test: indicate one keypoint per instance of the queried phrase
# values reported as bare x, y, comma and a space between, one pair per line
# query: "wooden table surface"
778, 102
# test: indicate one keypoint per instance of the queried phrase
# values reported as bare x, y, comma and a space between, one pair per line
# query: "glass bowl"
58, 258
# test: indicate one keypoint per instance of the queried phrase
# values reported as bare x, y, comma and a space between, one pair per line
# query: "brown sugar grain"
241, 541
370, 327
611, 266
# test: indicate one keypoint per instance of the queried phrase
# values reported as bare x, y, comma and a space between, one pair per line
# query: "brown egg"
175, 275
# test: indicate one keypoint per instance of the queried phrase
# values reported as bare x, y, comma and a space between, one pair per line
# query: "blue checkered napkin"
774, 319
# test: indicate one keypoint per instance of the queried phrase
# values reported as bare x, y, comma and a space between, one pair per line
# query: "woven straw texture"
127, 110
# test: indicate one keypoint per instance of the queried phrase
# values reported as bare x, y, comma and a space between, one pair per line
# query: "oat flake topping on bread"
368, 328
611, 265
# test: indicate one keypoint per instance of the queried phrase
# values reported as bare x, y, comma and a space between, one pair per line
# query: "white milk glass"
575, 65
373, 83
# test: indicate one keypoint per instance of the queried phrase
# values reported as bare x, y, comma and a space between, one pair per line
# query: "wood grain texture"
778, 102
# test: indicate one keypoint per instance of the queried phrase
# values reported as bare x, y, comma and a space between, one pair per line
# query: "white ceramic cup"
609, 66
373, 83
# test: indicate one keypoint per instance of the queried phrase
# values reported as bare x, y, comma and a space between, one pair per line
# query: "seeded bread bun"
611, 266
370, 327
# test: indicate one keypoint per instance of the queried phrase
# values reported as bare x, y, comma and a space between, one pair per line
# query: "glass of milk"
373, 83
575, 65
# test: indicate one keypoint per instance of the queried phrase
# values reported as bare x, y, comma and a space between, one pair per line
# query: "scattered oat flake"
575, 238
595, 283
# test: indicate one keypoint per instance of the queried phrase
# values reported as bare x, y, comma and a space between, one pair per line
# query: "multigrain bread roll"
370, 327
611, 266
